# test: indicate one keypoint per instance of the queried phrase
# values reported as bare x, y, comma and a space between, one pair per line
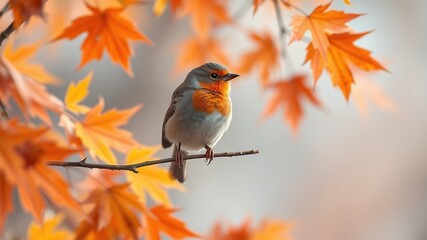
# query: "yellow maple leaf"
99, 132
49, 230
19, 59
152, 180
77, 93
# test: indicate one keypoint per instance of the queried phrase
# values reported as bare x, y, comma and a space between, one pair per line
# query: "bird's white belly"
197, 130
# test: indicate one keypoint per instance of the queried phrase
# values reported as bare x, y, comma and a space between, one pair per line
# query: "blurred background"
345, 174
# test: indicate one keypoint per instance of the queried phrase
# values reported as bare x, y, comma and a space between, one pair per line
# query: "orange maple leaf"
341, 52
368, 91
271, 230
205, 15
6, 199
320, 24
99, 132
196, 51
159, 6
114, 213
265, 57
106, 30
158, 219
19, 59
256, 4
49, 230
267, 230
31, 96
242, 232
24, 9
289, 93
152, 180
23, 160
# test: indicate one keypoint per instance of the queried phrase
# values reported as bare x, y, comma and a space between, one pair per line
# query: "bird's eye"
214, 75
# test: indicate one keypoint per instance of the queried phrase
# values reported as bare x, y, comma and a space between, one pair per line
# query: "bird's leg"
209, 154
179, 159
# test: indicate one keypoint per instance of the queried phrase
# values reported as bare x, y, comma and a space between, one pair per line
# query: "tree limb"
5, 34
134, 167
3, 111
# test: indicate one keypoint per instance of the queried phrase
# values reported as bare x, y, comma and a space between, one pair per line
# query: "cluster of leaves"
28, 144
331, 48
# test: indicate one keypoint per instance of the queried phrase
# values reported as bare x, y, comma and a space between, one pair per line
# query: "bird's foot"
179, 157
209, 154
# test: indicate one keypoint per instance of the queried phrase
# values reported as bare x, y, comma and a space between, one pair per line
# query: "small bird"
198, 115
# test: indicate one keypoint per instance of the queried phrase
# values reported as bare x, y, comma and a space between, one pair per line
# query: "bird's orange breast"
213, 97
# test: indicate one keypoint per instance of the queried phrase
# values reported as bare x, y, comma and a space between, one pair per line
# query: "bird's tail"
178, 172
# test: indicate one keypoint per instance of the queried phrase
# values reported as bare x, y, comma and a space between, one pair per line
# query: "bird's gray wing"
179, 91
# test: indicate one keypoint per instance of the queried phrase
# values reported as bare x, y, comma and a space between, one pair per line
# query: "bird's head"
213, 76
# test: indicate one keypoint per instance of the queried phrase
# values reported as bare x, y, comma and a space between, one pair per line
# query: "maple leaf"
242, 232
49, 230
205, 15
267, 230
99, 132
289, 93
30, 95
272, 230
158, 219
114, 213
6, 198
23, 160
365, 91
348, 2
152, 180
24, 9
106, 30
159, 6
196, 51
320, 24
264, 57
19, 59
256, 4
77, 93
341, 52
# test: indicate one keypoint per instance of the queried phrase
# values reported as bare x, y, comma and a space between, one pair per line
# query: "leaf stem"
134, 167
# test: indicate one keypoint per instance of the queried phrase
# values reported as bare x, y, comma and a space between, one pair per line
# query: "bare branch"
3, 111
294, 7
5, 9
134, 167
282, 28
5, 34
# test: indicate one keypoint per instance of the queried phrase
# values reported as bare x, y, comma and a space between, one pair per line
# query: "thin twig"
294, 7
134, 167
5, 34
5, 9
282, 28
3, 110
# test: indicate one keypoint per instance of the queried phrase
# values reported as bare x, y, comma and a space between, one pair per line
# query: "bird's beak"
229, 76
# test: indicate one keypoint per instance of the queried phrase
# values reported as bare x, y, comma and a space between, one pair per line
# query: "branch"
133, 167
3, 111
282, 28
5, 34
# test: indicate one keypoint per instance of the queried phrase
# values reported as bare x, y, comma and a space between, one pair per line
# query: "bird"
199, 114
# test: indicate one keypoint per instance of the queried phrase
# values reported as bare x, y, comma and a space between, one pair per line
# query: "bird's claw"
209, 155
